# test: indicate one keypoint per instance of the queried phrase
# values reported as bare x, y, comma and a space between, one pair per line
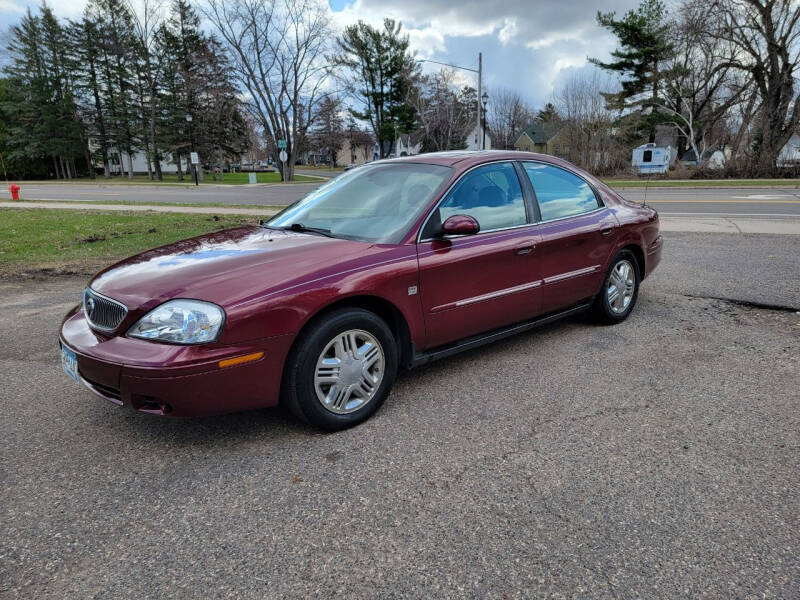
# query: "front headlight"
180, 322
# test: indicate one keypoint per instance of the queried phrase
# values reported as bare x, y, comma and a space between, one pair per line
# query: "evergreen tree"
117, 61
382, 71
43, 119
643, 36
86, 58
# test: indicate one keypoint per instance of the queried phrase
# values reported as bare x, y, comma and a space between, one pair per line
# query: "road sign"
281, 143
195, 159
283, 156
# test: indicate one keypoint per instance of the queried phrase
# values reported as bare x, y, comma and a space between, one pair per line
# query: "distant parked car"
394, 264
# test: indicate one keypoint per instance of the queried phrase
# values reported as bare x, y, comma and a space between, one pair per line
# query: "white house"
474, 139
406, 145
118, 163
790, 153
713, 158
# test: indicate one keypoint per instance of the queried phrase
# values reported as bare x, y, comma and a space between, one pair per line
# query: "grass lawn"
83, 242
320, 168
640, 183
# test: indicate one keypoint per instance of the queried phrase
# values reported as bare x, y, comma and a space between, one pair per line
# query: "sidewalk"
203, 210
789, 225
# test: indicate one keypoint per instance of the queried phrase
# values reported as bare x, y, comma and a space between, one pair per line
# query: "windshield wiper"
299, 227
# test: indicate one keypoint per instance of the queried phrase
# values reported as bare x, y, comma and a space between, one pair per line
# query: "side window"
559, 192
490, 194
647, 156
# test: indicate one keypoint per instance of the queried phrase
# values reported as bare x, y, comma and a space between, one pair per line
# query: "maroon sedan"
390, 265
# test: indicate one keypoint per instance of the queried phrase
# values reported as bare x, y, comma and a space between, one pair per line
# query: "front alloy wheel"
341, 369
349, 371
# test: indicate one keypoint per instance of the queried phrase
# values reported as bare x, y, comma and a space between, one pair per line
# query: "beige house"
357, 149
544, 138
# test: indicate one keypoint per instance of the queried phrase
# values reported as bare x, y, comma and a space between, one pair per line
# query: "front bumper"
177, 381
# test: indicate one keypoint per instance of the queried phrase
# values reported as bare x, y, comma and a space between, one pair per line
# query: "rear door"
471, 284
576, 231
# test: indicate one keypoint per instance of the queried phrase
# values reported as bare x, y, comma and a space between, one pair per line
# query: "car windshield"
374, 203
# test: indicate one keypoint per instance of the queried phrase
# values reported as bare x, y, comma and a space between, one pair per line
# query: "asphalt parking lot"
659, 458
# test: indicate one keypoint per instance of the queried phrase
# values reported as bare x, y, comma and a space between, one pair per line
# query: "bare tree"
703, 87
766, 37
507, 116
444, 113
147, 20
327, 135
277, 49
587, 137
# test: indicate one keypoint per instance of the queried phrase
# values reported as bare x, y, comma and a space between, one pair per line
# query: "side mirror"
460, 225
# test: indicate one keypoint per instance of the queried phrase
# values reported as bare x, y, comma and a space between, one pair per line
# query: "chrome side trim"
571, 274
498, 294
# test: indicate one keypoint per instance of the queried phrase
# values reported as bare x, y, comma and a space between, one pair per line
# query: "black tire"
602, 310
298, 391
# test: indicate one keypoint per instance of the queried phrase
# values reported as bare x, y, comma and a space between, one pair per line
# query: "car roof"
468, 158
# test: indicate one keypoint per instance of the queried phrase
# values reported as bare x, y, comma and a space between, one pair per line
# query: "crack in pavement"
747, 303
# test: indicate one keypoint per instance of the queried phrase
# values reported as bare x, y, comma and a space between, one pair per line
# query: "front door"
471, 284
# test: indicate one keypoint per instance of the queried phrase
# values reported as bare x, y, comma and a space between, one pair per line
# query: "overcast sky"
528, 45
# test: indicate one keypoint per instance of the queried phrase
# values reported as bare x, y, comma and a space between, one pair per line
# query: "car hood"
224, 267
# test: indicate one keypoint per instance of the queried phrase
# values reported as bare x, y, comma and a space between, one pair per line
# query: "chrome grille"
101, 312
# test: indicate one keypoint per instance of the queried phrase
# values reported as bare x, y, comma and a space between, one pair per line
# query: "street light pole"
191, 142
478, 95
484, 100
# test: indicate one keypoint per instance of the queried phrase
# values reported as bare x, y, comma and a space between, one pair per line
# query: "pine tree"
643, 36
117, 61
43, 120
382, 71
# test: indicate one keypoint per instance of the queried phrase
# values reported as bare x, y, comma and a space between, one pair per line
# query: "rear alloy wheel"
341, 369
620, 289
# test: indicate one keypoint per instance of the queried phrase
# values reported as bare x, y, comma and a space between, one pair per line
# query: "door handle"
522, 250
607, 230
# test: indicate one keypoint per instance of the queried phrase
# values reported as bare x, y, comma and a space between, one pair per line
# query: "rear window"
559, 192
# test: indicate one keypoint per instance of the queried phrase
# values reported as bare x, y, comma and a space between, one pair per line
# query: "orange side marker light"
230, 362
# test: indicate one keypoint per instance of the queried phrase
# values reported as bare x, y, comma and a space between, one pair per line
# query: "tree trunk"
149, 166
88, 157
178, 163
130, 164
55, 167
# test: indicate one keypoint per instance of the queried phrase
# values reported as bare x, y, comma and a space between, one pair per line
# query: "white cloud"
7, 5
525, 44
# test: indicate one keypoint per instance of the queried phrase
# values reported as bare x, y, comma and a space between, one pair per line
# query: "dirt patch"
45, 271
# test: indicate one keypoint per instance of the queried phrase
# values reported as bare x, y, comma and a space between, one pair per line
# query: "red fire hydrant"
14, 188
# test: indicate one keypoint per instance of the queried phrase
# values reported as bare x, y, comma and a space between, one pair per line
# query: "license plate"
69, 362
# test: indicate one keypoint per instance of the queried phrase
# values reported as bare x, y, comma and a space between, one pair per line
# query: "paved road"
657, 459
672, 201
267, 194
